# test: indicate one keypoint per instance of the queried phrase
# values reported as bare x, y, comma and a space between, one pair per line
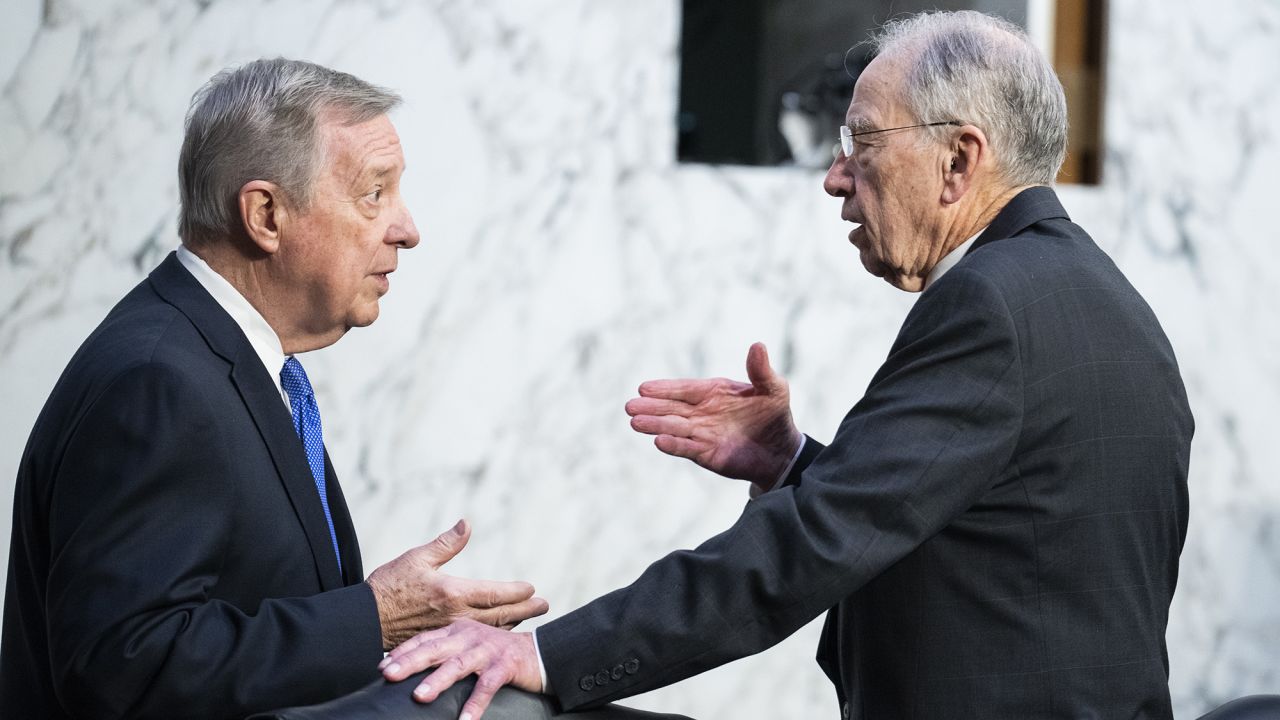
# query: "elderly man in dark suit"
994, 530
181, 546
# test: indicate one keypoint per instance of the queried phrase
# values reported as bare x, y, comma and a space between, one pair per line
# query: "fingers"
690, 391
658, 406
508, 616
496, 657
412, 643
450, 671
492, 593
490, 678
682, 447
448, 544
487, 685
420, 652
759, 371
662, 425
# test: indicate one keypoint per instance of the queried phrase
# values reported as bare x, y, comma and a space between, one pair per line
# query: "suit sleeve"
936, 427
809, 452
142, 509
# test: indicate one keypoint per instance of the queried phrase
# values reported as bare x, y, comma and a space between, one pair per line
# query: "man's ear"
262, 212
968, 150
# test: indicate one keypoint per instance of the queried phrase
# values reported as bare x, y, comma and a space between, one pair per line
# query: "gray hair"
259, 122
984, 71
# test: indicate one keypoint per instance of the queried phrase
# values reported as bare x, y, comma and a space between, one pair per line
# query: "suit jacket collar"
1027, 208
176, 286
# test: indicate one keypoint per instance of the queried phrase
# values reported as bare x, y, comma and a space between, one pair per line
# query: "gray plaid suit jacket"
995, 528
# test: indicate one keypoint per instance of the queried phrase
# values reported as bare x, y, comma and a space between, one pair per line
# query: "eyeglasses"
847, 134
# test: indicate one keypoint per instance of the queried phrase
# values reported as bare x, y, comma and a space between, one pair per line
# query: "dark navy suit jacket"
170, 554
995, 527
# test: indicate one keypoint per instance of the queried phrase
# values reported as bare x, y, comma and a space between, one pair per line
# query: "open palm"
741, 430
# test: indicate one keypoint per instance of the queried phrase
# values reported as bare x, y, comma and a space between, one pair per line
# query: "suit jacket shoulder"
166, 532
1013, 478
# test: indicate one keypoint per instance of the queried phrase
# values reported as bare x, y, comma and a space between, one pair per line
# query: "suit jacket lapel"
348, 544
273, 421
1027, 208
262, 398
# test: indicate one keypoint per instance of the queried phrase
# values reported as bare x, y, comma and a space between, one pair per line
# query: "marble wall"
566, 257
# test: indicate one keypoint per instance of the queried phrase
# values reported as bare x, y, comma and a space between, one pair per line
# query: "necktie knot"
295, 382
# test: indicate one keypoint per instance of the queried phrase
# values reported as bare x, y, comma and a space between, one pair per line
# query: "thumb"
761, 374
448, 544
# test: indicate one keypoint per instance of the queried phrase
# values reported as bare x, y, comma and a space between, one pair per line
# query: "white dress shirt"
949, 260
262, 338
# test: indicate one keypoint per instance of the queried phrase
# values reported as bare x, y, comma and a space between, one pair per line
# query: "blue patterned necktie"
306, 420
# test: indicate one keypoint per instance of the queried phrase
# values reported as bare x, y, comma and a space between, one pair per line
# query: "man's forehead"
865, 111
379, 166
876, 94
370, 136
370, 148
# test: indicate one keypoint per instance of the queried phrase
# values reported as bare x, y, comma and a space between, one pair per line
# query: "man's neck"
252, 278
978, 214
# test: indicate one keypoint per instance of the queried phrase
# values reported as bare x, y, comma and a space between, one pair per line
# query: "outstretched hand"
495, 657
739, 430
413, 595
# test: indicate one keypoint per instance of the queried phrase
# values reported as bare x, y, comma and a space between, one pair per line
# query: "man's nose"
838, 182
403, 232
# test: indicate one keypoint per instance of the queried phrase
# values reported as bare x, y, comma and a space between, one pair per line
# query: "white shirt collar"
949, 260
262, 338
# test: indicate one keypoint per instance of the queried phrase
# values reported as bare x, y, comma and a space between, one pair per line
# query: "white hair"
259, 122
984, 71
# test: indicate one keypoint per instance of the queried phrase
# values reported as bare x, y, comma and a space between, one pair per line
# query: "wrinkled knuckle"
450, 592
420, 654
489, 683
442, 542
433, 594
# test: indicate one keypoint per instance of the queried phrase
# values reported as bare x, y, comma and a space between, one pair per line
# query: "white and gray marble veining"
566, 257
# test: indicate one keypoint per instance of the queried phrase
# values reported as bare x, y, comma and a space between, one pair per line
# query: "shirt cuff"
781, 476
542, 669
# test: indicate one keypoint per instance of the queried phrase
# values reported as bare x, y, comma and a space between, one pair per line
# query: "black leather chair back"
1250, 707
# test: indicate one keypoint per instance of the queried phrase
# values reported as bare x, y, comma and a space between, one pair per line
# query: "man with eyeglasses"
994, 530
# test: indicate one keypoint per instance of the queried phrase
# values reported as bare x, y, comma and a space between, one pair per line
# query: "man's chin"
364, 317
906, 283
873, 266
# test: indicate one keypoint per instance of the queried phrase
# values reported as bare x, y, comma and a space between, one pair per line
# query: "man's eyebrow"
376, 171
860, 124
